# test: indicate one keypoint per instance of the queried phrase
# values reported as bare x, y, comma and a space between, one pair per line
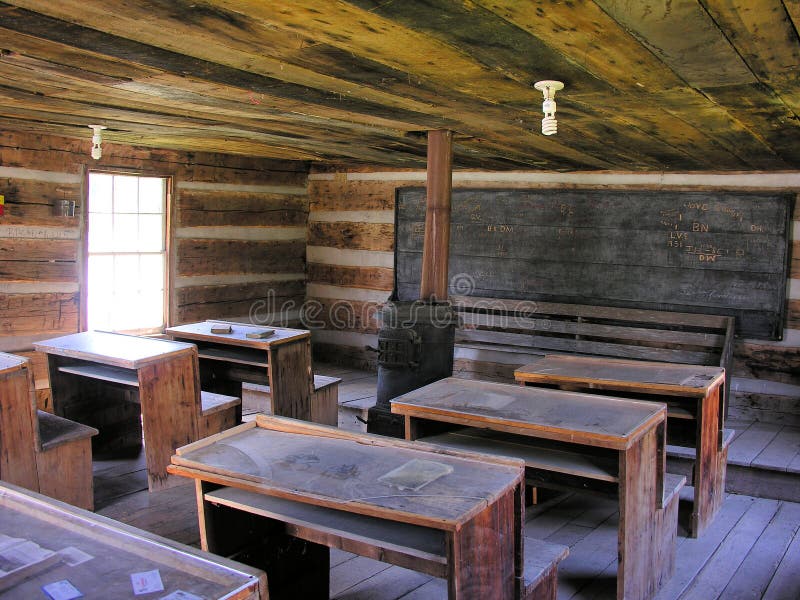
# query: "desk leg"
709, 470
647, 534
170, 412
482, 556
295, 568
291, 382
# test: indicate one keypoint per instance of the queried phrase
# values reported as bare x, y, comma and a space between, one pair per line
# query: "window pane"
126, 274
151, 194
151, 271
100, 188
126, 194
100, 232
101, 292
126, 233
151, 309
151, 233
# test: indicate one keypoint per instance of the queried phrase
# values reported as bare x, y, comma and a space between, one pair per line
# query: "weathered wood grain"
23, 314
375, 278
342, 315
31, 202
208, 257
351, 195
357, 236
198, 208
198, 303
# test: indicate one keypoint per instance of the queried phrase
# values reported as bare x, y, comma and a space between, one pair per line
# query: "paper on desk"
146, 582
18, 552
415, 474
61, 590
72, 556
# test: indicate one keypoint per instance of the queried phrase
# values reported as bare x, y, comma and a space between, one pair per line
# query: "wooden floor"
752, 550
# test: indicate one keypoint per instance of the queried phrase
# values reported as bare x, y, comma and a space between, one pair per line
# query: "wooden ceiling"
679, 85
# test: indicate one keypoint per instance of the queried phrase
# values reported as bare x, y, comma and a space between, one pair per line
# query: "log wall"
238, 230
350, 271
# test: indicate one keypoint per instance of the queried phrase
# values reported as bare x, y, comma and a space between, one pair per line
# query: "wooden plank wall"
238, 226
350, 271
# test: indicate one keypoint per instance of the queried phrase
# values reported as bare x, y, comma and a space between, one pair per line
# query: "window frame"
168, 243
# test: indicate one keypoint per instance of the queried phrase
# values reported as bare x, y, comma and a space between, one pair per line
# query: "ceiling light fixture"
97, 139
549, 88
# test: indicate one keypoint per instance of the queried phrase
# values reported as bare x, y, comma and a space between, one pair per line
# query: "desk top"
11, 362
44, 541
238, 336
127, 351
553, 414
366, 474
623, 375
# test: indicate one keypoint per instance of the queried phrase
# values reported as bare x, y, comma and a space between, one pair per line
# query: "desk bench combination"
569, 441
695, 410
48, 543
280, 492
131, 387
281, 361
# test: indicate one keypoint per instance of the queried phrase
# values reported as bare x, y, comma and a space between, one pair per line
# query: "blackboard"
717, 253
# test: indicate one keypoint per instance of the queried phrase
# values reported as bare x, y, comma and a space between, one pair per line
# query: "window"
126, 253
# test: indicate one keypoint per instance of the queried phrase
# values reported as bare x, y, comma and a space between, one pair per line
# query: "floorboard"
730, 554
755, 573
785, 584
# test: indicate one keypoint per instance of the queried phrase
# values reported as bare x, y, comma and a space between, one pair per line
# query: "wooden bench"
40, 451
280, 492
497, 336
324, 400
572, 441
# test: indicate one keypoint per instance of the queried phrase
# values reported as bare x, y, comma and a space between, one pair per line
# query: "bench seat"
324, 401
218, 413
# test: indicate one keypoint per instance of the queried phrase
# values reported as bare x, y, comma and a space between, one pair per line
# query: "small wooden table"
426, 508
54, 542
128, 387
695, 409
573, 441
282, 361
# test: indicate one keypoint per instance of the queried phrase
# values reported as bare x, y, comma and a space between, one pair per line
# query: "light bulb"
548, 89
97, 139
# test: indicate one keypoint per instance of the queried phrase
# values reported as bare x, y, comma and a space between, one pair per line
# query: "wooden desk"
113, 552
573, 441
281, 361
431, 509
695, 409
128, 387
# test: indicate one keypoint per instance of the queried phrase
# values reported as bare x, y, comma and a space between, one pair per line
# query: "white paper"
73, 556
180, 595
26, 553
146, 582
61, 590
